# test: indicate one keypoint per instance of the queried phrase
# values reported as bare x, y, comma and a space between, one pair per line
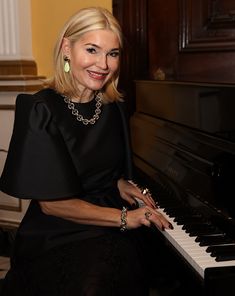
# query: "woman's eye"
91, 50
114, 54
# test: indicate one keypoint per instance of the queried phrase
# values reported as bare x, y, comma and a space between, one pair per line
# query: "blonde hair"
85, 20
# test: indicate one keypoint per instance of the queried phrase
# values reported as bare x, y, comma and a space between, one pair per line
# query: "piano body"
183, 139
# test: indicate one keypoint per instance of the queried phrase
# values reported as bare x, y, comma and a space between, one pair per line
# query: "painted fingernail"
134, 205
171, 226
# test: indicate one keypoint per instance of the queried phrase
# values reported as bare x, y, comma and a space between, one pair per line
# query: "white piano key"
196, 255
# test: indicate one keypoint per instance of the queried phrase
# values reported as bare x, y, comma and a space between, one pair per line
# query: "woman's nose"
102, 62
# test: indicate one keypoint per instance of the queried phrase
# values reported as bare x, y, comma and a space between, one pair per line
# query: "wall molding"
18, 67
206, 25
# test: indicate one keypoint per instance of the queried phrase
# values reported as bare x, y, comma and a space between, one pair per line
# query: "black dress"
53, 156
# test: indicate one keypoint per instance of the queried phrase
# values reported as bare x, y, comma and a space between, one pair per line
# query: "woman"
69, 154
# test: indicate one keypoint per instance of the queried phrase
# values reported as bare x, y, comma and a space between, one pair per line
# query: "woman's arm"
82, 212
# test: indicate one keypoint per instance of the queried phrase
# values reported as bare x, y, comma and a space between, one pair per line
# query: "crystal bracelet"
123, 225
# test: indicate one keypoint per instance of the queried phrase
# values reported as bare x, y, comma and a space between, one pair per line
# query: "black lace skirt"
110, 265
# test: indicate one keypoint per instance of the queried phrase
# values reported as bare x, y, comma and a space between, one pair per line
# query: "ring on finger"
145, 191
147, 215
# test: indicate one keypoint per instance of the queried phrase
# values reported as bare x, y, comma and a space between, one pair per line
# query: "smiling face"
94, 59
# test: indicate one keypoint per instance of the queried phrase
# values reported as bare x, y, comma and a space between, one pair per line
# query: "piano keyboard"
186, 245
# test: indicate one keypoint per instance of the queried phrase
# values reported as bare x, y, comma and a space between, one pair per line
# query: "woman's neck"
84, 97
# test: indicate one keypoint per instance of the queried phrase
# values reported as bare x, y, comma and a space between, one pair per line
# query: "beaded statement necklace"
80, 117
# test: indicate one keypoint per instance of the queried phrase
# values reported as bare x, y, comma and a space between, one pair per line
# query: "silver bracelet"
123, 225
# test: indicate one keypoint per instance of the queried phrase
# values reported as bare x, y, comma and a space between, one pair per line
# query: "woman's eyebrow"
97, 46
115, 49
92, 44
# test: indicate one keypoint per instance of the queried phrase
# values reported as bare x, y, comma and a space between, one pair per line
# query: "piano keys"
183, 139
197, 256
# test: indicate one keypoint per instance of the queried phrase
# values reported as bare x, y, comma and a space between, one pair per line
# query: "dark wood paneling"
182, 40
163, 37
207, 67
132, 17
192, 40
207, 25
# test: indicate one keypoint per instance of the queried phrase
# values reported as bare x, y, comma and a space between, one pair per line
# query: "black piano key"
201, 228
166, 204
189, 219
220, 253
221, 248
225, 257
198, 229
203, 232
175, 212
169, 202
165, 201
223, 254
208, 240
196, 226
175, 209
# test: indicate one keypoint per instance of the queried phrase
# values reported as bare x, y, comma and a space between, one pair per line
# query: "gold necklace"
80, 117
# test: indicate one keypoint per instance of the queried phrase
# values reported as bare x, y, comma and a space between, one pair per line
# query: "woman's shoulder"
34, 109
42, 96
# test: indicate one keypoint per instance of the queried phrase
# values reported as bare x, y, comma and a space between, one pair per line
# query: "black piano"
183, 139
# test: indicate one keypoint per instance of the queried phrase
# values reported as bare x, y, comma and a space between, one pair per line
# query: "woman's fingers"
149, 200
156, 218
131, 200
142, 194
147, 216
145, 196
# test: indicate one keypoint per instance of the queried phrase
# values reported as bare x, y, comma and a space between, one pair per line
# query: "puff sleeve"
38, 164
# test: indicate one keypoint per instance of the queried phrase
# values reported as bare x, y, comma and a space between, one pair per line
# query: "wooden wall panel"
181, 40
192, 40
207, 25
163, 37
132, 17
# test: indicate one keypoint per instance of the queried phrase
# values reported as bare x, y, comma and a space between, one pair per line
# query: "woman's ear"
65, 47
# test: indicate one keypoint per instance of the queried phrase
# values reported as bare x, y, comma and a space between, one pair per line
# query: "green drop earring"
66, 64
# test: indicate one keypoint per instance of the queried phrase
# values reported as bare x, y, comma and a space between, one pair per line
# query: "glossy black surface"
183, 138
179, 137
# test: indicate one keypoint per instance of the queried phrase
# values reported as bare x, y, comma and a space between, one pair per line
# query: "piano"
183, 140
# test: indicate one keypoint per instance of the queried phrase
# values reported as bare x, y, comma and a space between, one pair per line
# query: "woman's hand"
147, 216
130, 192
